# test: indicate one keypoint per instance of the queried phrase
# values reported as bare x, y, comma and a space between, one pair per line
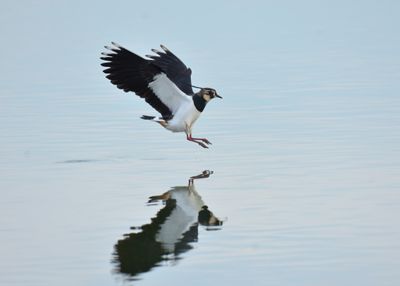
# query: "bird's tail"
147, 117
159, 120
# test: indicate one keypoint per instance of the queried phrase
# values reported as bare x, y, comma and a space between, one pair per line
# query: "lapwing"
164, 82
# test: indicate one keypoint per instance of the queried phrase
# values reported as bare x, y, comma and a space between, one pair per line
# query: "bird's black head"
208, 93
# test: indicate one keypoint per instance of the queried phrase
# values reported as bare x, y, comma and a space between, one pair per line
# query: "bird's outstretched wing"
174, 68
131, 72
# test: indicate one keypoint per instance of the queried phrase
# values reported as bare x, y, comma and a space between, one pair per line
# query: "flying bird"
164, 82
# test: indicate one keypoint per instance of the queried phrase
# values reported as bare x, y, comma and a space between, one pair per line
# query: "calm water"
305, 154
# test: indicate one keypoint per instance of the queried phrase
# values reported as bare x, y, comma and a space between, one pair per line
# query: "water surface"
305, 147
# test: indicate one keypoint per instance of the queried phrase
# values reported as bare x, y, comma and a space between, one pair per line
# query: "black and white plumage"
164, 82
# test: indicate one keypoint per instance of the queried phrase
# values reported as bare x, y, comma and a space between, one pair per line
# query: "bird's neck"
199, 102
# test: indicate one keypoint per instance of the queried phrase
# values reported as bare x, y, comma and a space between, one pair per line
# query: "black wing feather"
174, 68
131, 72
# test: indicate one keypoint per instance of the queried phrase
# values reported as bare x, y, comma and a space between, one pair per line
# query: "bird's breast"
184, 118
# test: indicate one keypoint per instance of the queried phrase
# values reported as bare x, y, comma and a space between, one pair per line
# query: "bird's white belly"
184, 118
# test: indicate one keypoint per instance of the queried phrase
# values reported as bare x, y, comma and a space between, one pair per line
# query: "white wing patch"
168, 92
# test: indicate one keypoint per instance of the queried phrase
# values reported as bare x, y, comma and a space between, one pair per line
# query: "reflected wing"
174, 68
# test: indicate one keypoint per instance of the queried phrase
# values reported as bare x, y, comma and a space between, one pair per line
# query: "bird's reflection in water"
170, 232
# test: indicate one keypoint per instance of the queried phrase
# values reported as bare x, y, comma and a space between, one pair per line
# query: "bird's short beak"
218, 96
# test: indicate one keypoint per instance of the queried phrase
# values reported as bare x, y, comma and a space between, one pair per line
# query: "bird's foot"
198, 142
201, 144
201, 141
205, 140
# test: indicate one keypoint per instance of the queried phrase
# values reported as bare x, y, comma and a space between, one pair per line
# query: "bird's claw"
202, 145
206, 141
